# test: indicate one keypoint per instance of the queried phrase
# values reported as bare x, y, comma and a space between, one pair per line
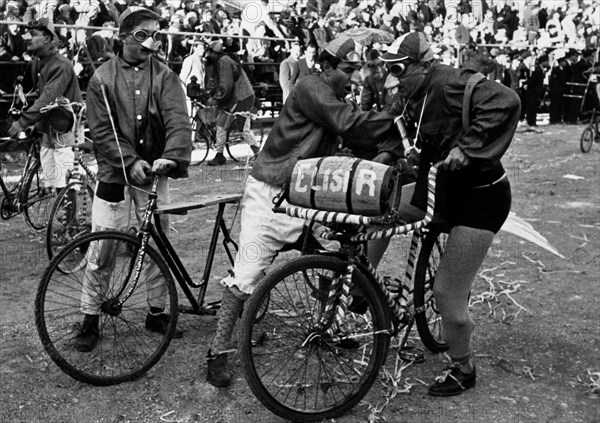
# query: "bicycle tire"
202, 140
125, 350
71, 216
586, 140
237, 147
286, 370
36, 199
429, 324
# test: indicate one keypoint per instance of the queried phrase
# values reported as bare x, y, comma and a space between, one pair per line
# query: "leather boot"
232, 303
218, 160
218, 373
88, 336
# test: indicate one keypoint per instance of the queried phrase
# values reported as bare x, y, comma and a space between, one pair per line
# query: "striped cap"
344, 48
137, 10
412, 45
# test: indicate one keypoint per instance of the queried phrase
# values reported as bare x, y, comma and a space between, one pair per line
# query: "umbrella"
369, 35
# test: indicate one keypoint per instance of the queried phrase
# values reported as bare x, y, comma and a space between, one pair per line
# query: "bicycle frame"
168, 252
353, 252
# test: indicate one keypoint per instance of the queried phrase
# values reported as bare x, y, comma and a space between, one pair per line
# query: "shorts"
481, 208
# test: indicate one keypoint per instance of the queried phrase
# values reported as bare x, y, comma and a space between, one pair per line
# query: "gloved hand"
140, 172
15, 129
163, 166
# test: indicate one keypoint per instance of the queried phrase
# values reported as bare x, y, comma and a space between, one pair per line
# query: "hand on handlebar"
140, 173
161, 167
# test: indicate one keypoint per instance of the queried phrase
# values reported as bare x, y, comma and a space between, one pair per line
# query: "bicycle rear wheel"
429, 323
36, 199
587, 139
71, 216
296, 369
237, 146
125, 349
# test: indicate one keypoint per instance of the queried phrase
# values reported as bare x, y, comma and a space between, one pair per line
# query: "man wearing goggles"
139, 124
467, 123
314, 121
54, 77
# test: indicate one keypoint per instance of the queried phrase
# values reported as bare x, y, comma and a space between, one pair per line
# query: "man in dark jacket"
233, 93
54, 77
473, 192
312, 123
535, 89
138, 120
557, 85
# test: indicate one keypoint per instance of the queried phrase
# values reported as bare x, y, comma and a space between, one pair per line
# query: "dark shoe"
218, 373
87, 338
254, 149
218, 160
452, 382
159, 323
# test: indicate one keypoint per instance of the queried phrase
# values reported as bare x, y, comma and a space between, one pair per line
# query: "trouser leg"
100, 254
221, 139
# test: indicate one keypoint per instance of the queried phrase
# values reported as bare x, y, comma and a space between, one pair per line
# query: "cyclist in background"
473, 193
147, 105
54, 77
233, 93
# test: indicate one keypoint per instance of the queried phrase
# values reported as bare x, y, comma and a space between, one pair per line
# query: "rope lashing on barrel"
329, 234
398, 230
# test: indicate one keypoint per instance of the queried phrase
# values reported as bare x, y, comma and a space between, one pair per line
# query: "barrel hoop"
313, 183
351, 185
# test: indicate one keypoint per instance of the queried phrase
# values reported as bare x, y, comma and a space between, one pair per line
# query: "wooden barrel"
344, 184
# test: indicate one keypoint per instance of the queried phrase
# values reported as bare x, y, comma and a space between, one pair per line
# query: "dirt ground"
536, 343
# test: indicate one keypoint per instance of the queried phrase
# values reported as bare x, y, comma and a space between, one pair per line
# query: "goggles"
38, 25
141, 35
397, 69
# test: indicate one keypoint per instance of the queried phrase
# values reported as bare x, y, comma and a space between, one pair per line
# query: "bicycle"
71, 214
125, 349
204, 131
327, 319
27, 193
590, 134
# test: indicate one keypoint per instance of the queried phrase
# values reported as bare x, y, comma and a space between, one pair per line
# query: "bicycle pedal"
412, 354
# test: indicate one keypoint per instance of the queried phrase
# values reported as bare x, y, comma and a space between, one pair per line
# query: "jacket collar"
142, 65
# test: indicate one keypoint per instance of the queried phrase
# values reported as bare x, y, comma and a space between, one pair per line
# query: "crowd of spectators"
494, 36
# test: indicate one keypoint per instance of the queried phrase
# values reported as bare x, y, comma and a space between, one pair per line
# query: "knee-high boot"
218, 373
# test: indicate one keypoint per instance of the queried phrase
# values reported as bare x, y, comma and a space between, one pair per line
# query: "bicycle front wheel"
36, 199
71, 216
587, 139
297, 368
429, 323
238, 144
100, 281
